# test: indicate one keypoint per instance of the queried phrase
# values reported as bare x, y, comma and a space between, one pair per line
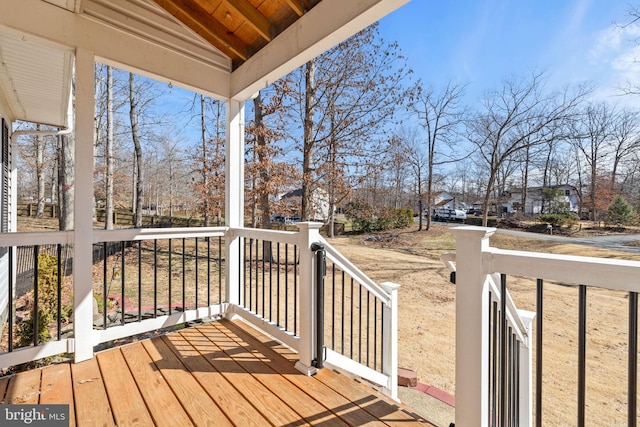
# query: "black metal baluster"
11, 302
170, 278
197, 271
155, 278
122, 277
278, 285
184, 276
209, 272
582, 353
539, 340
295, 290
35, 316
503, 348
286, 287
494, 364
220, 269
139, 280
632, 393
342, 351
104, 287
360, 324
59, 287
270, 280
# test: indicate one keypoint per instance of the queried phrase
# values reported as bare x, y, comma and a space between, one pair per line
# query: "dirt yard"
427, 319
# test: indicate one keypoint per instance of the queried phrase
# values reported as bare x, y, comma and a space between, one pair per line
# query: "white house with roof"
545, 199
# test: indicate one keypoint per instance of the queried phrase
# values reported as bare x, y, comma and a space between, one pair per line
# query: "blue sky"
480, 42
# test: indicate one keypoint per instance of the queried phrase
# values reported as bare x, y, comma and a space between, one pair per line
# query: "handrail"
623, 275
134, 234
341, 261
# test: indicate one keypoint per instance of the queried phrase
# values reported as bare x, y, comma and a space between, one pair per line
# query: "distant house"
319, 204
447, 201
549, 199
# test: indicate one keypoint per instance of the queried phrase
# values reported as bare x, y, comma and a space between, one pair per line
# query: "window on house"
567, 192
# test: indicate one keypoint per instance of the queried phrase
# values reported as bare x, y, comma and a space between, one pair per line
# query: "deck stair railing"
494, 349
359, 316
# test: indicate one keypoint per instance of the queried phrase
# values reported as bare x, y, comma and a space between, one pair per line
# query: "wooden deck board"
127, 404
230, 400
310, 409
270, 405
56, 388
200, 407
163, 405
24, 388
221, 373
92, 404
349, 410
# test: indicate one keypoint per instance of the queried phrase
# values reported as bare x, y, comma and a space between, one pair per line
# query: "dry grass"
427, 320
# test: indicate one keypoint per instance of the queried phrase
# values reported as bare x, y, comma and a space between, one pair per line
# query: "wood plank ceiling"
238, 28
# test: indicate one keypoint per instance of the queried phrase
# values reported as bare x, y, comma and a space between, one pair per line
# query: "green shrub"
620, 212
47, 302
559, 219
363, 221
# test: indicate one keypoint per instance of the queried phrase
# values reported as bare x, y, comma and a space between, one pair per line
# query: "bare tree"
517, 116
108, 206
440, 114
590, 136
418, 161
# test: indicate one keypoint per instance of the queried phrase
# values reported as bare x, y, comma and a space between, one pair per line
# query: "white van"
444, 214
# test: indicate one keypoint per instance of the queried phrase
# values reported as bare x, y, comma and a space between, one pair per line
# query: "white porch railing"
165, 277
494, 379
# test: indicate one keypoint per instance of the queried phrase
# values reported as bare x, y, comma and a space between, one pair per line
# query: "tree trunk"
205, 169
133, 116
40, 173
261, 145
66, 180
108, 206
307, 157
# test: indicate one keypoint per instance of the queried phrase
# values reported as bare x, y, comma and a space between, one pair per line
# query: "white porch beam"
327, 24
83, 214
116, 47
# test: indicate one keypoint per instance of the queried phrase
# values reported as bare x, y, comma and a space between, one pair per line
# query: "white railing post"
82, 207
472, 327
526, 372
390, 338
234, 203
309, 233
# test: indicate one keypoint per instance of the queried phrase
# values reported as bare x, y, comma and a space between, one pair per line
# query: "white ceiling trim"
327, 24
153, 54
34, 78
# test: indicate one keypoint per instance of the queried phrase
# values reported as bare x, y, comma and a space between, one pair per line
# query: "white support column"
82, 208
309, 233
472, 327
526, 372
390, 338
234, 203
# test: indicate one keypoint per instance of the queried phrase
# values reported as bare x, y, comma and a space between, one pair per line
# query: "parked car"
444, 214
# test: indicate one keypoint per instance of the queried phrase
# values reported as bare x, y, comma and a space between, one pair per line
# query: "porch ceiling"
222, 48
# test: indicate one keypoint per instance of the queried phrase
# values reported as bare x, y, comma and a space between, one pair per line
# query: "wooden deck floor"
220, 374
